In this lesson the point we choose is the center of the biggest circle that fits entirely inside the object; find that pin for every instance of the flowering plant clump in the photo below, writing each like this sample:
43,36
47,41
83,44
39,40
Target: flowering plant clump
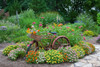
69,54
7,50
31,57
91,45
41,58
33,29
53,56
14,54
22,45
79,50
88,33
86,47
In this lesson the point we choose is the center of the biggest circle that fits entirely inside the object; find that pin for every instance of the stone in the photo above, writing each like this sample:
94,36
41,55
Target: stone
97,55
79,64
72,65
82,60
88,65
93,61
88,58
94,56
96,64
1,50
99,58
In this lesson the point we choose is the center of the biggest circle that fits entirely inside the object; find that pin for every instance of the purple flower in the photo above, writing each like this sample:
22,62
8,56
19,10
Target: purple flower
98,37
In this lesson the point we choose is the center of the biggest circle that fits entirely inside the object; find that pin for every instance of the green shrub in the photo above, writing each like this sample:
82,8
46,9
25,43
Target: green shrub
7,28
21,39
27,22
87,20
79,50
41,7
16,53
53,56
50,17
88,33
41,50
31,57
25,19
69,54
86,47
98,18
7,50
25,14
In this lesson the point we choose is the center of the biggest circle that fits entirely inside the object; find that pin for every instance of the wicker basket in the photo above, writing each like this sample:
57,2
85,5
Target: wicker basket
36,37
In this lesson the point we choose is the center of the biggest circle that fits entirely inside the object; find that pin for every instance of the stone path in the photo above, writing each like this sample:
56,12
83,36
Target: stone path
92,60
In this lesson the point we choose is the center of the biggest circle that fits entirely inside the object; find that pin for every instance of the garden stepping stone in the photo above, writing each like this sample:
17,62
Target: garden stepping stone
88,65
88,58
99,58
79,64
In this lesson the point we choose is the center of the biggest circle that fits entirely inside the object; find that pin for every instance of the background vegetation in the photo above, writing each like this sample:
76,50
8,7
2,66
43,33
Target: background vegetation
69,9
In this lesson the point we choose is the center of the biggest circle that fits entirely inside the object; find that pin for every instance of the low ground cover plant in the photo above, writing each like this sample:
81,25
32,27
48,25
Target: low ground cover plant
89,33
79,50
89,48
31,57
16,53
69,54
53,57
7,50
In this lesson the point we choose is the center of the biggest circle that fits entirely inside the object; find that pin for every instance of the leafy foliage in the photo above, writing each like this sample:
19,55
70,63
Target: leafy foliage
50,17
87,20
88,33
98,18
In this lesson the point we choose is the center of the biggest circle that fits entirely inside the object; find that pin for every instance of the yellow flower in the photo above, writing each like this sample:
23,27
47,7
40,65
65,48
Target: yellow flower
55,24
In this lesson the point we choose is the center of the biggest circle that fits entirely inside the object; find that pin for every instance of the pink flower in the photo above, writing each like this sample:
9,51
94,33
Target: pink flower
28,45
40,24
53,27
54,34
79,27
67,27
81,34
47,27
84,38
86,30
49,33
33,23
42,17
